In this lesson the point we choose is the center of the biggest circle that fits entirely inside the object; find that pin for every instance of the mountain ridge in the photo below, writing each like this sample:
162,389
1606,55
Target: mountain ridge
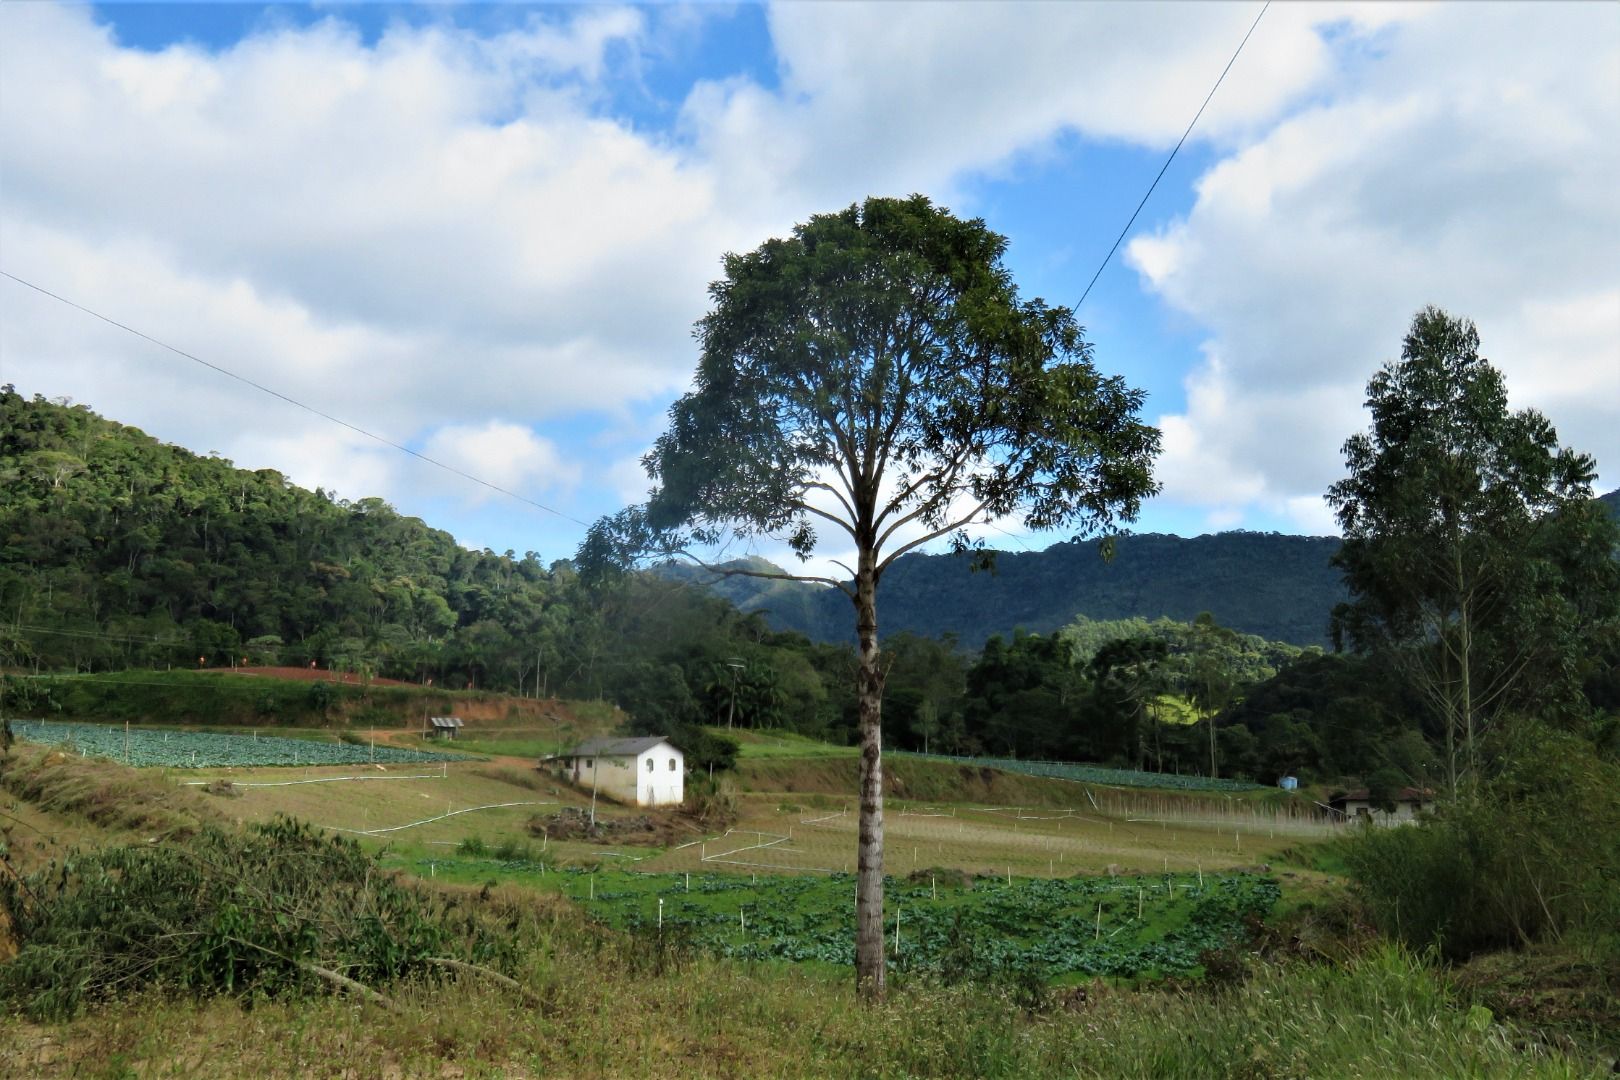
1277,586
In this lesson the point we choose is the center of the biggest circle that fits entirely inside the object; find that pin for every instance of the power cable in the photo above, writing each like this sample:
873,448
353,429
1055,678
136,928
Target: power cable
1120,239
295,402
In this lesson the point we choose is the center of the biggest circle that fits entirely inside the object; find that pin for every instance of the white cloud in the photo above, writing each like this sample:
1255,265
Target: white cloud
1483,184
896,97
428,231
507,455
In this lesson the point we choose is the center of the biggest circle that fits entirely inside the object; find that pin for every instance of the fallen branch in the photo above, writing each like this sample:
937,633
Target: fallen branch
494,976
342,982
346,983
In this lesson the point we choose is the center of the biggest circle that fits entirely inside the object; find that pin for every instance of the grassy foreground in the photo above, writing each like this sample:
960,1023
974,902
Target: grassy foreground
606,1009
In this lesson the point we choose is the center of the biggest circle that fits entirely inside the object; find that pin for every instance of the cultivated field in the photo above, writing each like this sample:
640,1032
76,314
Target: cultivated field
428,804
785,837
212,749
419,810
1047,928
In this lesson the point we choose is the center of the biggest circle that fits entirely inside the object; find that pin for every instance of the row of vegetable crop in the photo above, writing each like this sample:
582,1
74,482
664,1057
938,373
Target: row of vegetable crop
1046,928
207,750
1092,774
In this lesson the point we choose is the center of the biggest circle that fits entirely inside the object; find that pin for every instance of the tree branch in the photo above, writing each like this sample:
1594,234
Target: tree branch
780,575
935,535
944,474
507,981
829,489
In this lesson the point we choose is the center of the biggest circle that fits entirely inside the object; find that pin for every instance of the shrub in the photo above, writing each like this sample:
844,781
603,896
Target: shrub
275,910
1533,854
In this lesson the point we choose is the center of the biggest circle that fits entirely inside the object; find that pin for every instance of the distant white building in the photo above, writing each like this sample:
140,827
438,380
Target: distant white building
646,771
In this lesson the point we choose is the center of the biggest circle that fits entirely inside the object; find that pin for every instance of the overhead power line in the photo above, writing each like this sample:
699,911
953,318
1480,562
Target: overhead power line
295,402
1207,98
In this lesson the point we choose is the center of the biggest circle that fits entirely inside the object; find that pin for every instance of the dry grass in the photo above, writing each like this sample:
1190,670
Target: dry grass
614,1009
107,796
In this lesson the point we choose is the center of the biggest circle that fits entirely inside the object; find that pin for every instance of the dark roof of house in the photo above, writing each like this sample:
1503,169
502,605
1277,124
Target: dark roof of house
614,747
1407,794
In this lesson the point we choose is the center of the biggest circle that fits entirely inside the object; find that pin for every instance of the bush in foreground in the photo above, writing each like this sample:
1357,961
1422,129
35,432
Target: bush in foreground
269,911
1533,855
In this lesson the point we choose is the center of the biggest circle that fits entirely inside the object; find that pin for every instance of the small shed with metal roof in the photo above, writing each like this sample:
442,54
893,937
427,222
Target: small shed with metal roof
645,771
445,727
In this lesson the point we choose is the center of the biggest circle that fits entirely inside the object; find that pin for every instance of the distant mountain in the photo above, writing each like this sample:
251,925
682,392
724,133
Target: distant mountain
1279,587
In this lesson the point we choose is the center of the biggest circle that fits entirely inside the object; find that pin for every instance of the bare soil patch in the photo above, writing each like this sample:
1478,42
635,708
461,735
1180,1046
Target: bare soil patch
298,674
659,829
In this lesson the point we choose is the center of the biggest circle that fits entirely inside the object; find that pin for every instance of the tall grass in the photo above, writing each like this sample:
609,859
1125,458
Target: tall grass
111,796
625,1007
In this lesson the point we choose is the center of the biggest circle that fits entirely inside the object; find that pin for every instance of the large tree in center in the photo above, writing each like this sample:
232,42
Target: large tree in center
868,385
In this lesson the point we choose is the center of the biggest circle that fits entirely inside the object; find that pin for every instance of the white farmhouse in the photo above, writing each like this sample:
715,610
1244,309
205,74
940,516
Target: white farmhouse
647,771
1359,806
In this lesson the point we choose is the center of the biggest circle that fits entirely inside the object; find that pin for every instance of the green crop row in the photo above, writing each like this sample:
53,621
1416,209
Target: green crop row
1045,928
204,750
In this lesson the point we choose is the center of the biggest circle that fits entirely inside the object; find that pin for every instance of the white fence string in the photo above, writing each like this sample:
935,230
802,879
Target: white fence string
814,820
440,817
773,866
748,847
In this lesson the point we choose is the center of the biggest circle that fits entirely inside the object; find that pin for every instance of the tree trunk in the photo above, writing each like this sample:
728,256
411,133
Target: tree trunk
869,853
1465,665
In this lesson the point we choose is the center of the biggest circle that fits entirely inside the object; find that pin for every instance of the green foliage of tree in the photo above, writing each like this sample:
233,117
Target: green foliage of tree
1336,716
1024,698
878,375
1127,675
923,692
1475,555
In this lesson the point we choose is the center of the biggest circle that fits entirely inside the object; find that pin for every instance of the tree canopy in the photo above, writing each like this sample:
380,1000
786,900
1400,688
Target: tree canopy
876,375
1472,547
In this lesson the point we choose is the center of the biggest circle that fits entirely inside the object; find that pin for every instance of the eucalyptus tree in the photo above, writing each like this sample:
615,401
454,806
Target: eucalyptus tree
868,385
1474,553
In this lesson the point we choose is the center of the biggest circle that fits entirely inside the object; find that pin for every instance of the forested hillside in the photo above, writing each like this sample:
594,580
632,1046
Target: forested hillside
118,551
1278,587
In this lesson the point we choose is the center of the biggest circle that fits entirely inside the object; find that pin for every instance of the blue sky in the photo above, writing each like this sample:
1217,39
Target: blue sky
485,230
